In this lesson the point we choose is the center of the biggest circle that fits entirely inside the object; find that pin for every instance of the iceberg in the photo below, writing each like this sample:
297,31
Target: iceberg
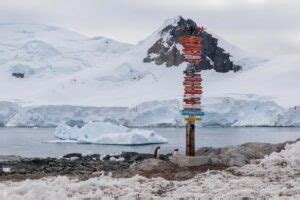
107,133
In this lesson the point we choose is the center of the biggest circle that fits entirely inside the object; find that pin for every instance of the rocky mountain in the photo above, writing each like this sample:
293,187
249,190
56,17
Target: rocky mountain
167,49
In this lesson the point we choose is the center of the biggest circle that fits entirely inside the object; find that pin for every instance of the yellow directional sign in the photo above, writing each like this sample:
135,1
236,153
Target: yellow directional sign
192,119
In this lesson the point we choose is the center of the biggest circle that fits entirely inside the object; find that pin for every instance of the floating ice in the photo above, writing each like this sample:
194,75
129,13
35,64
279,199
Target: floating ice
107,133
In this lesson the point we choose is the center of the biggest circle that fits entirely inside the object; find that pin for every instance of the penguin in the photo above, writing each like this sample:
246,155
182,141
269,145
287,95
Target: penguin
157,152
175,152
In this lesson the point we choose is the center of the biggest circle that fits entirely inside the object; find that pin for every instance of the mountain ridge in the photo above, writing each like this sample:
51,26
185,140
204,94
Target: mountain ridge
167,49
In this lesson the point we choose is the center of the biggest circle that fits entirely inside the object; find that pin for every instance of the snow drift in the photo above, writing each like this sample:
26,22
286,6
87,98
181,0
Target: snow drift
107,133
274,177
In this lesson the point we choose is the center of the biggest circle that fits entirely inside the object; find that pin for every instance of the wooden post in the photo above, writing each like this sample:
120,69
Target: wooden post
190,139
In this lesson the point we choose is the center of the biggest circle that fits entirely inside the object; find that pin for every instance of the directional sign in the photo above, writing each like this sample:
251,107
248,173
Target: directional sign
192,119
192,60
191,51
193,87
190,75
192,113
193,79
192,71
187,106
194,57
197,68
190,40
191,46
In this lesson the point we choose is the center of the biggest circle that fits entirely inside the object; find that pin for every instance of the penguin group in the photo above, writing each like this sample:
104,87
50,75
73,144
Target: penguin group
157,152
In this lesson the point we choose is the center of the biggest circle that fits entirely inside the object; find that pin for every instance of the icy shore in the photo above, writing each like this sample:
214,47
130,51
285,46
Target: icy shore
220,111
275,177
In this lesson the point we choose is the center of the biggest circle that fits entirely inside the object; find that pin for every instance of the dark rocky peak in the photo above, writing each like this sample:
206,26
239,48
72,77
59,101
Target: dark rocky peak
167,49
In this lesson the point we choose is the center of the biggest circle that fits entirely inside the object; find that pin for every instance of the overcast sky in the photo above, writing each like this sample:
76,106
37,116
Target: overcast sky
257,25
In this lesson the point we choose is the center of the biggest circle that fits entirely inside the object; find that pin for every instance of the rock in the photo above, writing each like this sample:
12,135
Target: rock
216,161
78,123
107,157
239,155
134,156
207,151
237,161
18,75
73,158
93,157
39,161
184,175
152,164
164,50
70,155
190,161
10,158
98,173
135,163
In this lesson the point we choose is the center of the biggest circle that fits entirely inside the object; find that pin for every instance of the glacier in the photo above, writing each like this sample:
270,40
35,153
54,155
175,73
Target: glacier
69,76
220,111
106,133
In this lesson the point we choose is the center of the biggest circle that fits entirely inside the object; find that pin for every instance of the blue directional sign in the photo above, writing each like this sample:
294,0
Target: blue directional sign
192,113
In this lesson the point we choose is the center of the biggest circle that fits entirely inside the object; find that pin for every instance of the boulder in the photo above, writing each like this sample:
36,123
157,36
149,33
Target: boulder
152,165
238,155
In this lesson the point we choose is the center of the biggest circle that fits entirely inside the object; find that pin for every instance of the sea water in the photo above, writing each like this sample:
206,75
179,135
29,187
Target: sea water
31,142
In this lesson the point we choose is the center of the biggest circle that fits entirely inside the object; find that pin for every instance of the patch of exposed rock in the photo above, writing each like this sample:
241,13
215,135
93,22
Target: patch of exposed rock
166,49
239,155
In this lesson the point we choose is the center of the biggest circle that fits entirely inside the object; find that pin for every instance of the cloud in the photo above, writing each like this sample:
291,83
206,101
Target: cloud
258,25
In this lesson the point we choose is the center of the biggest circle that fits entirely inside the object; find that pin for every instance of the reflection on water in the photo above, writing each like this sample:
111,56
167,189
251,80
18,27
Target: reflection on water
30,141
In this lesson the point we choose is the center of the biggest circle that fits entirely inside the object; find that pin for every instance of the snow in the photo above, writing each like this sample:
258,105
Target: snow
6,169
274,177
234,110
107,133
246,59
65,70
248,111
276,79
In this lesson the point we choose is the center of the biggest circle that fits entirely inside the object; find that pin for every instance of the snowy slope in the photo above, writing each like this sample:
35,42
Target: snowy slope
276,80
63,68
68,66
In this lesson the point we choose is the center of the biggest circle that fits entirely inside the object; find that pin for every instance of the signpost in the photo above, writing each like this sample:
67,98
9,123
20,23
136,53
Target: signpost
192,86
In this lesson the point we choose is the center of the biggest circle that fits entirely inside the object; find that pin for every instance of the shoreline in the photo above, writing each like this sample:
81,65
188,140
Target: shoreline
129,164
125,165
267,176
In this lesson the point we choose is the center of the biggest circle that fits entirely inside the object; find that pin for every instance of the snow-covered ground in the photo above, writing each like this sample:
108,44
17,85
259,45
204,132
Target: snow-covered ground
64,69
274,177
106,133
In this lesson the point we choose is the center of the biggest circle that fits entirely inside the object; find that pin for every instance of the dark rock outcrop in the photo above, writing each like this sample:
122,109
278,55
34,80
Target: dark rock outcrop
18,75
78,123
165,49
239,155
